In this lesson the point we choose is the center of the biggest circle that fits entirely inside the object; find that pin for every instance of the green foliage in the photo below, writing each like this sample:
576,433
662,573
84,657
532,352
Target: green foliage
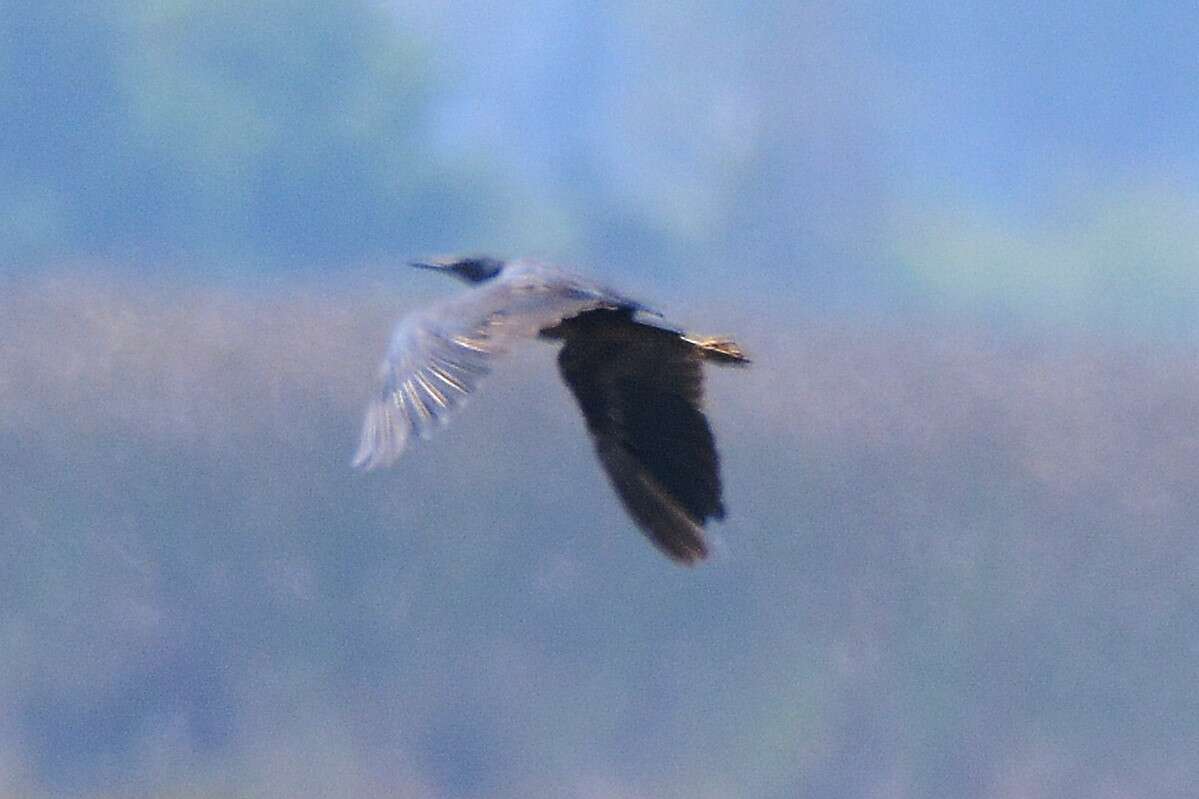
1124,258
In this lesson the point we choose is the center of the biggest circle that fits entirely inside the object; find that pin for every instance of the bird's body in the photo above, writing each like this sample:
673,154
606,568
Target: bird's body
638,384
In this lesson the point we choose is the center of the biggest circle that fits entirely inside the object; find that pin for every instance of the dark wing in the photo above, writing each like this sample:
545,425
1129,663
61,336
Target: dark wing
640,389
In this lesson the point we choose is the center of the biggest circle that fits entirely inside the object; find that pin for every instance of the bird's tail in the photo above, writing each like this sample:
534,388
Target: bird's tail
719,349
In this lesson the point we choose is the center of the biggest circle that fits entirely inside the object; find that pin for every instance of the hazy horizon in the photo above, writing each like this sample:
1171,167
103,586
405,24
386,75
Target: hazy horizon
938,541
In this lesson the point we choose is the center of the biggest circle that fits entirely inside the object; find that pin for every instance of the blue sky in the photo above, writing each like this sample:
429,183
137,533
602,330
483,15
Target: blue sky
832,145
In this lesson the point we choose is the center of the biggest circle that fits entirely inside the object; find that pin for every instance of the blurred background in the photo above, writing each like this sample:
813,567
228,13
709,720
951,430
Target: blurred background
961,243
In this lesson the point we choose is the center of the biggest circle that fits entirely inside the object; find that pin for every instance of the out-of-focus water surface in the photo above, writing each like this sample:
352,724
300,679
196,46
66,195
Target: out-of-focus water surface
961,474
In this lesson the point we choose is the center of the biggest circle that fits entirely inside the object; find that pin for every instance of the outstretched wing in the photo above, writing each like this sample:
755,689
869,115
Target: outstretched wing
640,389
438,356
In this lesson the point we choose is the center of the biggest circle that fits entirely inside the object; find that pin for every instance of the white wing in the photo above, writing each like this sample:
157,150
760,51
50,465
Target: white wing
438,356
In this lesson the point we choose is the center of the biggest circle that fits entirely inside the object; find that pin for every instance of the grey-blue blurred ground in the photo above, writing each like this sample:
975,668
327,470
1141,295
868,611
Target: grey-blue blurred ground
955,565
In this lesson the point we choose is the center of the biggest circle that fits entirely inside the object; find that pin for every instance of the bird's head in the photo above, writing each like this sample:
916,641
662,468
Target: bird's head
472,269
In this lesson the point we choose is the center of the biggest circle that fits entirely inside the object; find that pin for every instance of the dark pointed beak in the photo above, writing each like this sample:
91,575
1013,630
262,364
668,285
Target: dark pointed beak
428,265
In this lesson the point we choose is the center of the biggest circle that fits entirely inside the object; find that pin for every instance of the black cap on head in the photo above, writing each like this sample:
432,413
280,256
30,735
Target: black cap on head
472,269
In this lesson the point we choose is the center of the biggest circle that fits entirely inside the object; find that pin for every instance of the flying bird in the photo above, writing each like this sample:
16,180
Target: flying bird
639,385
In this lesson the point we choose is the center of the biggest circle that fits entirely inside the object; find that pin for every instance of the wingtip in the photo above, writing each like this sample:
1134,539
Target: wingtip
382,440
689,557
364,460
684,544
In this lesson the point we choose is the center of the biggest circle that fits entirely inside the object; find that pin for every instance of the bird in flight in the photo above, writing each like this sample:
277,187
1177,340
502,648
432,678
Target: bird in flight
638,384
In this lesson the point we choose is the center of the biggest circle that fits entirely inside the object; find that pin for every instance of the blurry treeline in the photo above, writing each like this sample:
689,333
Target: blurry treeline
952,566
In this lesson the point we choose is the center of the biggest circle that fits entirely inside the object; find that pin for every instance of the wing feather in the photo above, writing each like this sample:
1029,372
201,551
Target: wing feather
438,356
640,389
